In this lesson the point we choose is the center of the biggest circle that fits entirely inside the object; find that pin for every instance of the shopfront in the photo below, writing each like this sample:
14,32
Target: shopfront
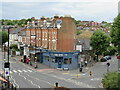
61,59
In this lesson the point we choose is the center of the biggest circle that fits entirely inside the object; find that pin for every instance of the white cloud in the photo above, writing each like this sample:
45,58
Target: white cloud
97,11
60,0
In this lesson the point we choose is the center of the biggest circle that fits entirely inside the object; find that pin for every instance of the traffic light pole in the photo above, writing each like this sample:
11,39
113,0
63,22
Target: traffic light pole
8,54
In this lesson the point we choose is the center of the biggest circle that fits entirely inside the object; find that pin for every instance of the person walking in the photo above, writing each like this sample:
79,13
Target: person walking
27,60
86,63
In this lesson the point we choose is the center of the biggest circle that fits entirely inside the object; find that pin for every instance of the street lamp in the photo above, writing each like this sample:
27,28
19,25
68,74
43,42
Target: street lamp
35,59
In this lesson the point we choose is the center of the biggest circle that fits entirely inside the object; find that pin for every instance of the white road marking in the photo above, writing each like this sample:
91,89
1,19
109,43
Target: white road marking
14,82
96,79
30,81
24,70
40,80
14,71
74,82
19,71
10,72
29,70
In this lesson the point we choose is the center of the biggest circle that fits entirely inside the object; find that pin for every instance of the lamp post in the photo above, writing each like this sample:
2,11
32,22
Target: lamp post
35,59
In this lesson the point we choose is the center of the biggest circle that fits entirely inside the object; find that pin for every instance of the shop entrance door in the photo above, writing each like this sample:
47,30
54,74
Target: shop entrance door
60,60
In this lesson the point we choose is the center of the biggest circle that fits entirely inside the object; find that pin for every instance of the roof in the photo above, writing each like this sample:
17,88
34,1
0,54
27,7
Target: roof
84,42
16,31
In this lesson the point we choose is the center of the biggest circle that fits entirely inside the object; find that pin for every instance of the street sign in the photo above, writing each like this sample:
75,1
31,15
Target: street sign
6,72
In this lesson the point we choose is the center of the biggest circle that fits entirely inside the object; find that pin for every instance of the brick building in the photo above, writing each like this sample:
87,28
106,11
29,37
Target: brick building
57,33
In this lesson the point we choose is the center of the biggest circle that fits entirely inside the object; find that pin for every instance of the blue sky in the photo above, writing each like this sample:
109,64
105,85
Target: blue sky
96,11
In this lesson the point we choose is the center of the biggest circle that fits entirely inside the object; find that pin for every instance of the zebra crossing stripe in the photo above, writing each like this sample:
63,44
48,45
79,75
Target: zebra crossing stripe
19,71
24,70
29,70
10,71
14,71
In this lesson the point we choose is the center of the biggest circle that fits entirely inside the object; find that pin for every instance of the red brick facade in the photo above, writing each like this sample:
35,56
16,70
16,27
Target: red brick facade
58,38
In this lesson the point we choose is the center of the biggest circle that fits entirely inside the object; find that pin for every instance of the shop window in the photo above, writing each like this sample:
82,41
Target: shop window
67,60
46,58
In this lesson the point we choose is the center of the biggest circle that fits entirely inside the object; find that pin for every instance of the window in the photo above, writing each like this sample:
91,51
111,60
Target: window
46,58
67,60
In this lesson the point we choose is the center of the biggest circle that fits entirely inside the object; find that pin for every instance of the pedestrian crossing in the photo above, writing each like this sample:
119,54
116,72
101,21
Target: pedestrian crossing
20,71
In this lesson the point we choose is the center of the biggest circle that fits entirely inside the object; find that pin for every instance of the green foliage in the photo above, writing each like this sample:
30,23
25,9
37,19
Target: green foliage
111,81
14,47
15,22
99,42
4,36
110,51
78,32
115,33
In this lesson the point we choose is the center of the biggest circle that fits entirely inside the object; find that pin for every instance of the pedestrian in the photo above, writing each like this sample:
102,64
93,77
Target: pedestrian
27,60
80,69
35,65
86,63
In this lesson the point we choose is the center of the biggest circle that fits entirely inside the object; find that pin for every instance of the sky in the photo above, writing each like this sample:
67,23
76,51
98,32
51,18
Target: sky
86,11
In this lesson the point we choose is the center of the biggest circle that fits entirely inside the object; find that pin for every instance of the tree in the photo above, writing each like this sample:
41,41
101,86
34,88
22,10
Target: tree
99,42
14,47
115,33
4,36
111,81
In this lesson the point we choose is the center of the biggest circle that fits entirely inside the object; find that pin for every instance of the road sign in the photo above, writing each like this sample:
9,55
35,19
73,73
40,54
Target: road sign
6,72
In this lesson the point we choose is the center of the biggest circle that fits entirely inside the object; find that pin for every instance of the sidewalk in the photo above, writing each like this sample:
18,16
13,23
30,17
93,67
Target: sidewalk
39,65
42,66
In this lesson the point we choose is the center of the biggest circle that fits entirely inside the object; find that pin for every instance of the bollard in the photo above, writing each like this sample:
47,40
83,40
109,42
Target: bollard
90,73
56,84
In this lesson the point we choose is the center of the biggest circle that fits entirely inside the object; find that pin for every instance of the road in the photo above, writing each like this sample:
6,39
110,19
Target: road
25,76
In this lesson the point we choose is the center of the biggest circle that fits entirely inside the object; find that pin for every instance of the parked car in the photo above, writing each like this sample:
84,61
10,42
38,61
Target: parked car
108,57
103,59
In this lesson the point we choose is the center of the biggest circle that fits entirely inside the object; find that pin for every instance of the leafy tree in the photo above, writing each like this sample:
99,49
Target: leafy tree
22,22
14,47
111,81
99,42
110,51
4,36
115,33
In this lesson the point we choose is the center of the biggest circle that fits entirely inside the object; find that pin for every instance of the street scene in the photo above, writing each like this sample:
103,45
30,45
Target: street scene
59,52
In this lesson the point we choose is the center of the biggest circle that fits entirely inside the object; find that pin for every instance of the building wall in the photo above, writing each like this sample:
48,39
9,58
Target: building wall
66,35
51,59
59,38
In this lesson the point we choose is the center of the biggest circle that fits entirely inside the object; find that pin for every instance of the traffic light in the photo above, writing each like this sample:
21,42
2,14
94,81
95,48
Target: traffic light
6,65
